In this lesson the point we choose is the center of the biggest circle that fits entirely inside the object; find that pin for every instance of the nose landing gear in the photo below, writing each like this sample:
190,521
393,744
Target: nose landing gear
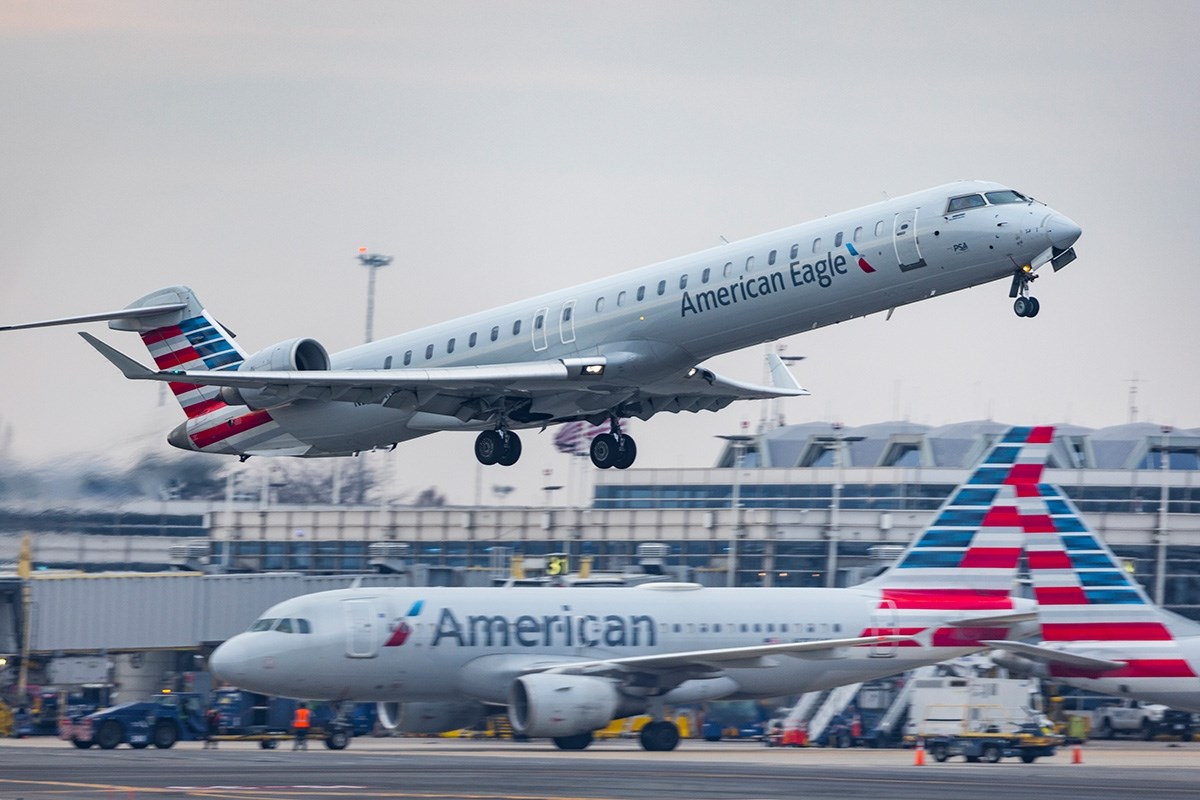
1024,305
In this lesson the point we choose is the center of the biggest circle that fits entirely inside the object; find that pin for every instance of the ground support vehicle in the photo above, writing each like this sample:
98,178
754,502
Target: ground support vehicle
1131,717
161,720
1029,744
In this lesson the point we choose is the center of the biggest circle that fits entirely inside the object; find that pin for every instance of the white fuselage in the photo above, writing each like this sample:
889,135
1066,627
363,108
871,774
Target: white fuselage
472,643
663,319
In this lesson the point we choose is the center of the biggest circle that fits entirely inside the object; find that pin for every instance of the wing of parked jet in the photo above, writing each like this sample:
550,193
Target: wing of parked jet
1048,655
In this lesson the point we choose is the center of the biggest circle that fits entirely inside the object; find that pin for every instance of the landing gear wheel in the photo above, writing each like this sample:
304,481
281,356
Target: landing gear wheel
627,452
488,447
165,736
510,450
1033,312
659,736
109,735
605,450
1021,306
337,740
579,741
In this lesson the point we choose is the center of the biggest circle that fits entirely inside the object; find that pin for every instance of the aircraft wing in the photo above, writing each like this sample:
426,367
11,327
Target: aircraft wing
553,390
1055,656
755,656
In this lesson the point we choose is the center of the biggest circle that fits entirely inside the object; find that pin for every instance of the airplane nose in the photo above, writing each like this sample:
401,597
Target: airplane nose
1062,231
228,662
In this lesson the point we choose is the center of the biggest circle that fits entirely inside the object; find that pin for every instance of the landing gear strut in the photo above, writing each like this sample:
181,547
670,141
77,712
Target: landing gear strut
614,449
498,447
1024,305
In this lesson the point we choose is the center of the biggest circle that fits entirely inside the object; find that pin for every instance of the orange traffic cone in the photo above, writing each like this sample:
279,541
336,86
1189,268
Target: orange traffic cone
1077,755
919,754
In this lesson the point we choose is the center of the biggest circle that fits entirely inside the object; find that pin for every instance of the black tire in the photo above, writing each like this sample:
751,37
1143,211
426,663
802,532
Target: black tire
268,744
510,450
992,753
81,744
972,759
1106,729
1034,307
488,446
1028,758
337,740
579,741
627,453
165,735
711,738
139,745
939,752
1147,731
604,450
109,734
659,737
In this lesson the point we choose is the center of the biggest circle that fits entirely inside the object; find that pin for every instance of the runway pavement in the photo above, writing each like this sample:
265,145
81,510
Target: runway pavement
433,769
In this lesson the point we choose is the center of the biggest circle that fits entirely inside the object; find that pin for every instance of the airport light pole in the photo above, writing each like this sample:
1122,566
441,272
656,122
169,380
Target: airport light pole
1160,569
739,442
834,532
373,262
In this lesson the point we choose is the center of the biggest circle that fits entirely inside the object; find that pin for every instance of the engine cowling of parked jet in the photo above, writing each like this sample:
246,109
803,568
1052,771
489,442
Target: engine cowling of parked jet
429,717
551,705
294,355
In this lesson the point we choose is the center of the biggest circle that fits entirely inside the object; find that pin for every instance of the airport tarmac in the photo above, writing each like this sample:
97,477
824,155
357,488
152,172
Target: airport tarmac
437,769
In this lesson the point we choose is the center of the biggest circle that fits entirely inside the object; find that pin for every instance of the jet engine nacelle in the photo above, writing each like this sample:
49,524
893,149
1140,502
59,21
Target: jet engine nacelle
551,705
428,717
294,355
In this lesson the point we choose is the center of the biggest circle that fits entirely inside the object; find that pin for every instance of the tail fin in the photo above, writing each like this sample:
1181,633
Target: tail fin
188,338
968,555
1085,594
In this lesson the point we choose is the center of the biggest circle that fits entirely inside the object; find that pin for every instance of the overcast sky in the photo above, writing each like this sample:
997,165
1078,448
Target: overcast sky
501,149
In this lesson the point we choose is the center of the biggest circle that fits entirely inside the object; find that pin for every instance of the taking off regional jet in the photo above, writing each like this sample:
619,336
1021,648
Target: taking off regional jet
630,345
567,661
1099,629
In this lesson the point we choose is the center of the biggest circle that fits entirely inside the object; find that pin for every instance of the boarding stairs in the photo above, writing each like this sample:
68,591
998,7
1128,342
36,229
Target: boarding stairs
835,703
891,717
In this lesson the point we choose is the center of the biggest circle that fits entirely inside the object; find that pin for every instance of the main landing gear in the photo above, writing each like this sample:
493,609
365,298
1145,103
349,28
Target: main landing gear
498,447
660,735
1024,305
614,449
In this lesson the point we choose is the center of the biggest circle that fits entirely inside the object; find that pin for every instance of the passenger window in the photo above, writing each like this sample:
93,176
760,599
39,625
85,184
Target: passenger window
728,270
641,293
429,352
662,288
879,228
387,363
450,346
473,338
750,264
817,245
704,275
795,251
858,233
837,240
407,357
967,201
599,304
683,281
771,259
567,313
620,299
517,328
495,333
539,321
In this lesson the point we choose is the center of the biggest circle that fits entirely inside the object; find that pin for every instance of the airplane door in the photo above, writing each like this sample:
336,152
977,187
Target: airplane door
361,641
539,329
566,322
904,238
886,622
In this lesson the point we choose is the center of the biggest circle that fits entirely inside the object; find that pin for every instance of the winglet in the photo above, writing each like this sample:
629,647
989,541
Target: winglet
781,376
129,368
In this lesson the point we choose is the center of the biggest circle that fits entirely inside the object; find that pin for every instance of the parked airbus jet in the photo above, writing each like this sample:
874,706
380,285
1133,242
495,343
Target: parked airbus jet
568,661
625,346
1099,629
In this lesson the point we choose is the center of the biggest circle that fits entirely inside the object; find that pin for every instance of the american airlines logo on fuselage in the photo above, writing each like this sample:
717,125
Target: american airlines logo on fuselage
567,629
821,272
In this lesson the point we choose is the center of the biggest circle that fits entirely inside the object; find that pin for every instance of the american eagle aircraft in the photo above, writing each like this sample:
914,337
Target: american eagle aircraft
1099,629
567,661
624,346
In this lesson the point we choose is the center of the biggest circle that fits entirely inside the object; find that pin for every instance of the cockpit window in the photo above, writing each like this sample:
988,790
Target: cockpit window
1006,196
302,626
284,626
263,624
964,202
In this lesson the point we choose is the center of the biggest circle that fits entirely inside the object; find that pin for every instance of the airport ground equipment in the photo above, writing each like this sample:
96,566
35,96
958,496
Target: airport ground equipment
161,720
1131,717
1029,743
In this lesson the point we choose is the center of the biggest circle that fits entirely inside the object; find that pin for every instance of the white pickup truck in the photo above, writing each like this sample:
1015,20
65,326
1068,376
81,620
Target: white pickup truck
1130,717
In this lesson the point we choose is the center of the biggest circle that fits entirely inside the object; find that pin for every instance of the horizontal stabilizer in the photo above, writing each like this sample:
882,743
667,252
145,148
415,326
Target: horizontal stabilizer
1051,656
129,368
124,313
